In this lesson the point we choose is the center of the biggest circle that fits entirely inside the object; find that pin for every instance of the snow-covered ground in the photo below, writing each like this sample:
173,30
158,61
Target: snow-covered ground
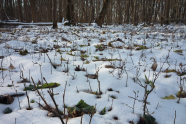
122,79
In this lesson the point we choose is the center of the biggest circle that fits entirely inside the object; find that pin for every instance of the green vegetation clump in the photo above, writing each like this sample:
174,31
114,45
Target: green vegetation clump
103,112
80,108
9,85
23,53
7,110
82,45
169,97
158,45
87,62
34,42
32,101
52,84
149,119
32,87
181,93
167,75
113,97
170,70
110,44
114,59
3,69
59,51
84,56
98,46
96,57
147,81
63,59
140,47
181,73
178,51
95,93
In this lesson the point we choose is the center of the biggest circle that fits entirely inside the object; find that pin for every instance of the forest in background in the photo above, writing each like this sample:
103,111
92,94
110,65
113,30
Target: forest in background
99,11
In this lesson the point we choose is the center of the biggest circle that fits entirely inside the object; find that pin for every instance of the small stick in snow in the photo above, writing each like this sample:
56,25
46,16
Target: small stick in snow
175,117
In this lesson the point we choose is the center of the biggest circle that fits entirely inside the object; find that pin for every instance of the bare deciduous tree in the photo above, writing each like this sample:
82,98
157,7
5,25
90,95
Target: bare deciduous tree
103,12
54,14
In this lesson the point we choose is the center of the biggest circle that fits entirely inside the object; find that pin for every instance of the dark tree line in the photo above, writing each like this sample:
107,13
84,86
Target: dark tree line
99,11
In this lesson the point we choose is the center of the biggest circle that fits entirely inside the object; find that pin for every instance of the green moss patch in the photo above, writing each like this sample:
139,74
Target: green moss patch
49,85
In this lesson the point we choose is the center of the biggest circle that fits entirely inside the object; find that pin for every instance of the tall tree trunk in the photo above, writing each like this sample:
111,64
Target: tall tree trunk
20,10
161,14
92,12
1,10
127,11
25,11
119,11
103,12
184,13
167,11
11,9
32,2
54,14
156,11
60,11
70,12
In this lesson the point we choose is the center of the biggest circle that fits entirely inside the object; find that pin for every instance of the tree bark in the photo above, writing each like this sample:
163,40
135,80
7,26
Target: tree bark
127,11
103,12
92,11
11,9
167,11
54,14
1,10
60,11
20,10
32,2
70,12
25,11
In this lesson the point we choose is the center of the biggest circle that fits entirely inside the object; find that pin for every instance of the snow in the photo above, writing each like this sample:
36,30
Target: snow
161,109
